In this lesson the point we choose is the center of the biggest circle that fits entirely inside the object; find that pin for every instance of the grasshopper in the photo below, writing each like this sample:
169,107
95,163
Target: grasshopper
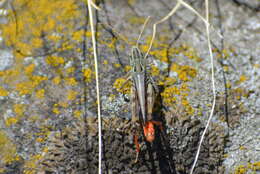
143,94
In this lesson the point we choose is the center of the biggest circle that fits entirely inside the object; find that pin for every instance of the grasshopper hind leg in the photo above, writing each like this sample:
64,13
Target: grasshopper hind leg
134,105
150,101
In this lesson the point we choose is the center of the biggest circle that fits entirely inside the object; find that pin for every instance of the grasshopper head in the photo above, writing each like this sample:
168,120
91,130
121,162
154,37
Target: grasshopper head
137,60
149,131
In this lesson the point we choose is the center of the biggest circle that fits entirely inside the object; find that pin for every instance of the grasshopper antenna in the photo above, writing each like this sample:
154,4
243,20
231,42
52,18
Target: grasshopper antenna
140,35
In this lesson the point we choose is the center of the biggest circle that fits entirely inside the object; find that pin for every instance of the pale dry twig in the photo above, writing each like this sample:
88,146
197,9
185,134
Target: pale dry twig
206,21
90,3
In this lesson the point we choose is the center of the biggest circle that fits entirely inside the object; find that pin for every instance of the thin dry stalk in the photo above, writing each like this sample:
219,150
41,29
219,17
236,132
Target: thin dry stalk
206,21
174,9
213,88
140,35
90,3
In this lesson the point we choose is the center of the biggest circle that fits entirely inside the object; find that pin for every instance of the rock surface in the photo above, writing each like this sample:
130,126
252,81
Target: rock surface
76,149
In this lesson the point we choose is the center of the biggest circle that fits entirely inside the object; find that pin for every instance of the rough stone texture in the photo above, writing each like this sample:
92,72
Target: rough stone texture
6,59
76,150
241,32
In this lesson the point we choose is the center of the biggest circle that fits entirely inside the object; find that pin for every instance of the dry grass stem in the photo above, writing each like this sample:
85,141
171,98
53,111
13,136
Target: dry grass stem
206,21
90,3
213,88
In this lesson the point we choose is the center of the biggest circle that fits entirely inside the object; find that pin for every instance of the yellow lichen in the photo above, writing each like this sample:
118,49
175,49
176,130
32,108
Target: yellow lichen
40,93
19,109
71,81
112,44
88,74
256,65
10,75
122,86
135,20
105,62
3,92
55,109
131,2
2,170
169,81
72,95
241,169
155,71
78,35
249,167
40,139
185,72
36,42
117,65
63,104
31,165
225,68
27,87
111,97
29,69
24,87
229,84
225,53
56,80
70,70
242,79
169,95
161,54
11,121
127,68
8,152
55,60
77,114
